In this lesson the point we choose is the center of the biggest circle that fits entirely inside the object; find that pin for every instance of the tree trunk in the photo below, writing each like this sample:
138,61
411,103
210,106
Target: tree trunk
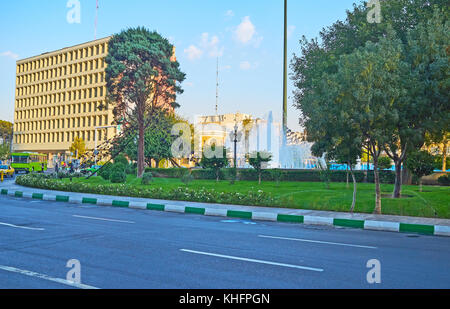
217,175
354,190
141,157
347,176
398,180
444,157
377,186
259,176
420,185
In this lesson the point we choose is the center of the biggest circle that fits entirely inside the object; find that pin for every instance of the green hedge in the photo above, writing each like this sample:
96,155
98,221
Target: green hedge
267,175
258,198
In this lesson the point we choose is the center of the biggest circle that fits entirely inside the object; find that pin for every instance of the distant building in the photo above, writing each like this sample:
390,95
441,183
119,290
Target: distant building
61,95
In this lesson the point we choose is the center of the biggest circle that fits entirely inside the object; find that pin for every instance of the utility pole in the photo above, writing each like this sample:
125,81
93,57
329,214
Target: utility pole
285,68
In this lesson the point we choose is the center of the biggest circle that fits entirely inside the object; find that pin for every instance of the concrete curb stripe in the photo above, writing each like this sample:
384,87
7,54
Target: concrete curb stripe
137,205
313,220
174,208
359,224
49,197
104,202
264,216
442,230
290,218
75,200
216,212
122,204
195,210
417,228
27,195
239,214
37,196
62,198
156,207
382,226
87,200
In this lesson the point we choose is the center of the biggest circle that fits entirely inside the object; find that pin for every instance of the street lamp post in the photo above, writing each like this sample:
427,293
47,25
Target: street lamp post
235,137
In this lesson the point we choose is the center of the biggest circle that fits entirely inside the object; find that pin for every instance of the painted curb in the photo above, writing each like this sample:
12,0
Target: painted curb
436,230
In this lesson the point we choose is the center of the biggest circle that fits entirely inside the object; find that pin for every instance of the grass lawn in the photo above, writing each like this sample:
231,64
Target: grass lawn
315,196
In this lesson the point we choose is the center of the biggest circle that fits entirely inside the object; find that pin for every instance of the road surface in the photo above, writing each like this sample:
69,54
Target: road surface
126,248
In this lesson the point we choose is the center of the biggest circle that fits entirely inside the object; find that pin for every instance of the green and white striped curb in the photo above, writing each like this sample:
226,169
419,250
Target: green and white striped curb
262,216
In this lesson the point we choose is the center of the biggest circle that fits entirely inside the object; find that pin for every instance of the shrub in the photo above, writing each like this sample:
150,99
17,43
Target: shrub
230,174
187,178
105,171
121,159
444,180
147,178
118,176
384,163
258,198
276,175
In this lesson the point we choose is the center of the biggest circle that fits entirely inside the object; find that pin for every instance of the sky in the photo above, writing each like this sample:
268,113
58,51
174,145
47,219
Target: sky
246,35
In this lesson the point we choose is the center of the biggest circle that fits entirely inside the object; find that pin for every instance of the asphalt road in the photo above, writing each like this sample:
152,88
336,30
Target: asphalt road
126,248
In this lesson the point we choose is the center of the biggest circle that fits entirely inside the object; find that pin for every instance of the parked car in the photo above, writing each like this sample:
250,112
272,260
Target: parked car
7,170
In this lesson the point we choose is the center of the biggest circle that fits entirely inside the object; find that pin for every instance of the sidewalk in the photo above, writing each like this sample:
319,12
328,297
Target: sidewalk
363,221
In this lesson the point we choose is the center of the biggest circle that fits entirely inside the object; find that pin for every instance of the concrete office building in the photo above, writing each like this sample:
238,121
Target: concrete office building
61,95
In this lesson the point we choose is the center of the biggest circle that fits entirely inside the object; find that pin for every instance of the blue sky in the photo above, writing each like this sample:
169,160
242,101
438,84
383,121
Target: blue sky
247,35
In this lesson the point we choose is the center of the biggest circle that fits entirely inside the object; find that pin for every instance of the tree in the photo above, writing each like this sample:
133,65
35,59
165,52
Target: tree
384,163
216,162
158,139
78,147
4,152
258,160
420,164
5,130
422,30
142,74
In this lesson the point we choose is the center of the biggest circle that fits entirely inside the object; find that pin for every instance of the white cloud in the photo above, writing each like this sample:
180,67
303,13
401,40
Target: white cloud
290,31
10,54
211,45
229,14
208,45
246,33
193,52
189,84
245,65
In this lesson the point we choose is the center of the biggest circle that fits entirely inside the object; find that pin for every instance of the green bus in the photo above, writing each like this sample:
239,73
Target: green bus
29,162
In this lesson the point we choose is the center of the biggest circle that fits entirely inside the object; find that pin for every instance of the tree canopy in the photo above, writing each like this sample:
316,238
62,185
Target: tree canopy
142,75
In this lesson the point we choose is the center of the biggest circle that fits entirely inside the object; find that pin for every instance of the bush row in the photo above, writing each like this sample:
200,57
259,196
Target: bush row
258,198
273,175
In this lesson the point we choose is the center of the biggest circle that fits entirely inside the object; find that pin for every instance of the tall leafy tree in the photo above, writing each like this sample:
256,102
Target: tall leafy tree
258,160
142,75
78,147
215,162
5,130
158,139
421,163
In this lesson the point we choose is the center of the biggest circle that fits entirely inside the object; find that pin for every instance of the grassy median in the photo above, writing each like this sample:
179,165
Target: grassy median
433,202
